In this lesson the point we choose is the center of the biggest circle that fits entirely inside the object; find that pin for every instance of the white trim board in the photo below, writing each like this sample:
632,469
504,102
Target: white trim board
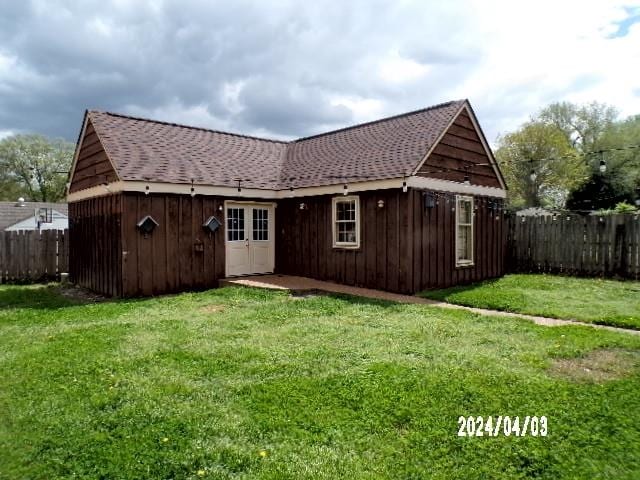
455,187
263,194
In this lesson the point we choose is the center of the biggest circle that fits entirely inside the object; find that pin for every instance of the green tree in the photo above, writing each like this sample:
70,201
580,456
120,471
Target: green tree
35,167
544,149
621,180
582,125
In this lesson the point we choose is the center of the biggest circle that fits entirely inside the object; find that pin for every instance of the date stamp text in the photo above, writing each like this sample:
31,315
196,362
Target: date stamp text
495,426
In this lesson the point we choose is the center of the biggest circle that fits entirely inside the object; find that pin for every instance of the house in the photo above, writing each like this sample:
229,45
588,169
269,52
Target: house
23,215
405,203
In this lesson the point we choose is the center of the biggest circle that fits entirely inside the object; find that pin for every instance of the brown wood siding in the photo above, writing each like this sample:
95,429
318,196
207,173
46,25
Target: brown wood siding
405,247
179,255
95,251
460,147
93,167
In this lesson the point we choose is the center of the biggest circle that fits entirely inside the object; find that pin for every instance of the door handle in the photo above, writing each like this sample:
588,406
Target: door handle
246,243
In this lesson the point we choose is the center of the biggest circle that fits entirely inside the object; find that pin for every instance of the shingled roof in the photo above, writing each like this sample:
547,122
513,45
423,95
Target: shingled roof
153,151
14,212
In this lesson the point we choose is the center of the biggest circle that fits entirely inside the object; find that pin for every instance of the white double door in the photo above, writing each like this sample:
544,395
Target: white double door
249,238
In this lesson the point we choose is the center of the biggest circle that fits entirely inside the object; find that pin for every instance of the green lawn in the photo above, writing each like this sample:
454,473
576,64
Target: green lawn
244,383
607,302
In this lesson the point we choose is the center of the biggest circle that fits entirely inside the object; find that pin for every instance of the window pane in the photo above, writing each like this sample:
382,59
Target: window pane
235,224
346,210
260,224
464,211
341,211
464,243
347,232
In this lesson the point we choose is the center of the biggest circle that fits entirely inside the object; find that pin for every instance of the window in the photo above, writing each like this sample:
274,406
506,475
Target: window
464,231
260,224
346,222
235,224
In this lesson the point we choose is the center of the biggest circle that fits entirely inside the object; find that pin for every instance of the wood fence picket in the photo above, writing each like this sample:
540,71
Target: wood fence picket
32,256
605,246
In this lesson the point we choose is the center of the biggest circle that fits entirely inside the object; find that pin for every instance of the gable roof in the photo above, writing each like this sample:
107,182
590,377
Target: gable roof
59,221
154,151
14,212
382,149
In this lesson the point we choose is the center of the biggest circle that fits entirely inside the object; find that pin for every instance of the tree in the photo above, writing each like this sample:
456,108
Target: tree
582,125
621,180
35,167
544,149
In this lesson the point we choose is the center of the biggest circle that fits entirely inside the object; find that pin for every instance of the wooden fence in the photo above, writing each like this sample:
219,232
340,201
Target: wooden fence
32,256
578,245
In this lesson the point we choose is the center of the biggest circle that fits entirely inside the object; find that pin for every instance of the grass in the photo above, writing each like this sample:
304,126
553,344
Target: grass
606,302
243,383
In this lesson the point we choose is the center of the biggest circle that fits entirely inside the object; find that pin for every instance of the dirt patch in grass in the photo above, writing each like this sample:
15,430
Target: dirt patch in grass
212,309
597,366
80,295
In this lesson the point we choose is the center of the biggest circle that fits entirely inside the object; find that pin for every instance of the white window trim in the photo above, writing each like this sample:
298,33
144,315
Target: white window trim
464,262
334,202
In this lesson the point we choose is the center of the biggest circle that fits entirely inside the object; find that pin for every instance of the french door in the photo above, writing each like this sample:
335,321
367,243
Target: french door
249,238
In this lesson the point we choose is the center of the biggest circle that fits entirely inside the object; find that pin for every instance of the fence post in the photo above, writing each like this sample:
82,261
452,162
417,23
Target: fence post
620,248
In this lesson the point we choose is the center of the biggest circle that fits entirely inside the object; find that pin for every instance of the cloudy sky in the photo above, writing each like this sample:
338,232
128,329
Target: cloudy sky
292,68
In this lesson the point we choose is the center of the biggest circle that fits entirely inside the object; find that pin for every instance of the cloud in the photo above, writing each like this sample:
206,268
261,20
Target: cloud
287,69
5,134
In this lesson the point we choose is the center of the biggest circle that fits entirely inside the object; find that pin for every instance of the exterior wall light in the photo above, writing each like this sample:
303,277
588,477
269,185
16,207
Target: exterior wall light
380,203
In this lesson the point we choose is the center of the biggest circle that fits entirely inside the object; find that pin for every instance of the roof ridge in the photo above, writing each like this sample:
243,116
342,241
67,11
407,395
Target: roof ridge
191,127
253,137
379,120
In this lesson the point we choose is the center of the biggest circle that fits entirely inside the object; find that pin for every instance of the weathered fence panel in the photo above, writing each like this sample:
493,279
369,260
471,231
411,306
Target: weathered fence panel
604,246
33,256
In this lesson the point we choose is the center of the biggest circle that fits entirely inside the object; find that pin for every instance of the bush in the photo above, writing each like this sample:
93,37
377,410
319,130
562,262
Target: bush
624,207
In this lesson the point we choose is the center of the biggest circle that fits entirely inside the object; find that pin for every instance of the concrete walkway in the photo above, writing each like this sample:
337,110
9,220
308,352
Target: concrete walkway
302,285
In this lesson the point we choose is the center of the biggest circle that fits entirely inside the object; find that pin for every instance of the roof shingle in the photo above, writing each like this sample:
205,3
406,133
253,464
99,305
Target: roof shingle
148,150
13,212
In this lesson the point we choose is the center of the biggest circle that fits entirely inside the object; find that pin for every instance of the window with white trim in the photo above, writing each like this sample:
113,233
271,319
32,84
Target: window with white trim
464,231
346,222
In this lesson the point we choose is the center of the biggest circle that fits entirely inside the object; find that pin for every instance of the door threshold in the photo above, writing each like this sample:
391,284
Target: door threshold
249,275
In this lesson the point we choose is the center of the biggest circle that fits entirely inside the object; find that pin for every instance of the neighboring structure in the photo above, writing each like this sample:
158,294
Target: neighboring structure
536,212
23,215
405,203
